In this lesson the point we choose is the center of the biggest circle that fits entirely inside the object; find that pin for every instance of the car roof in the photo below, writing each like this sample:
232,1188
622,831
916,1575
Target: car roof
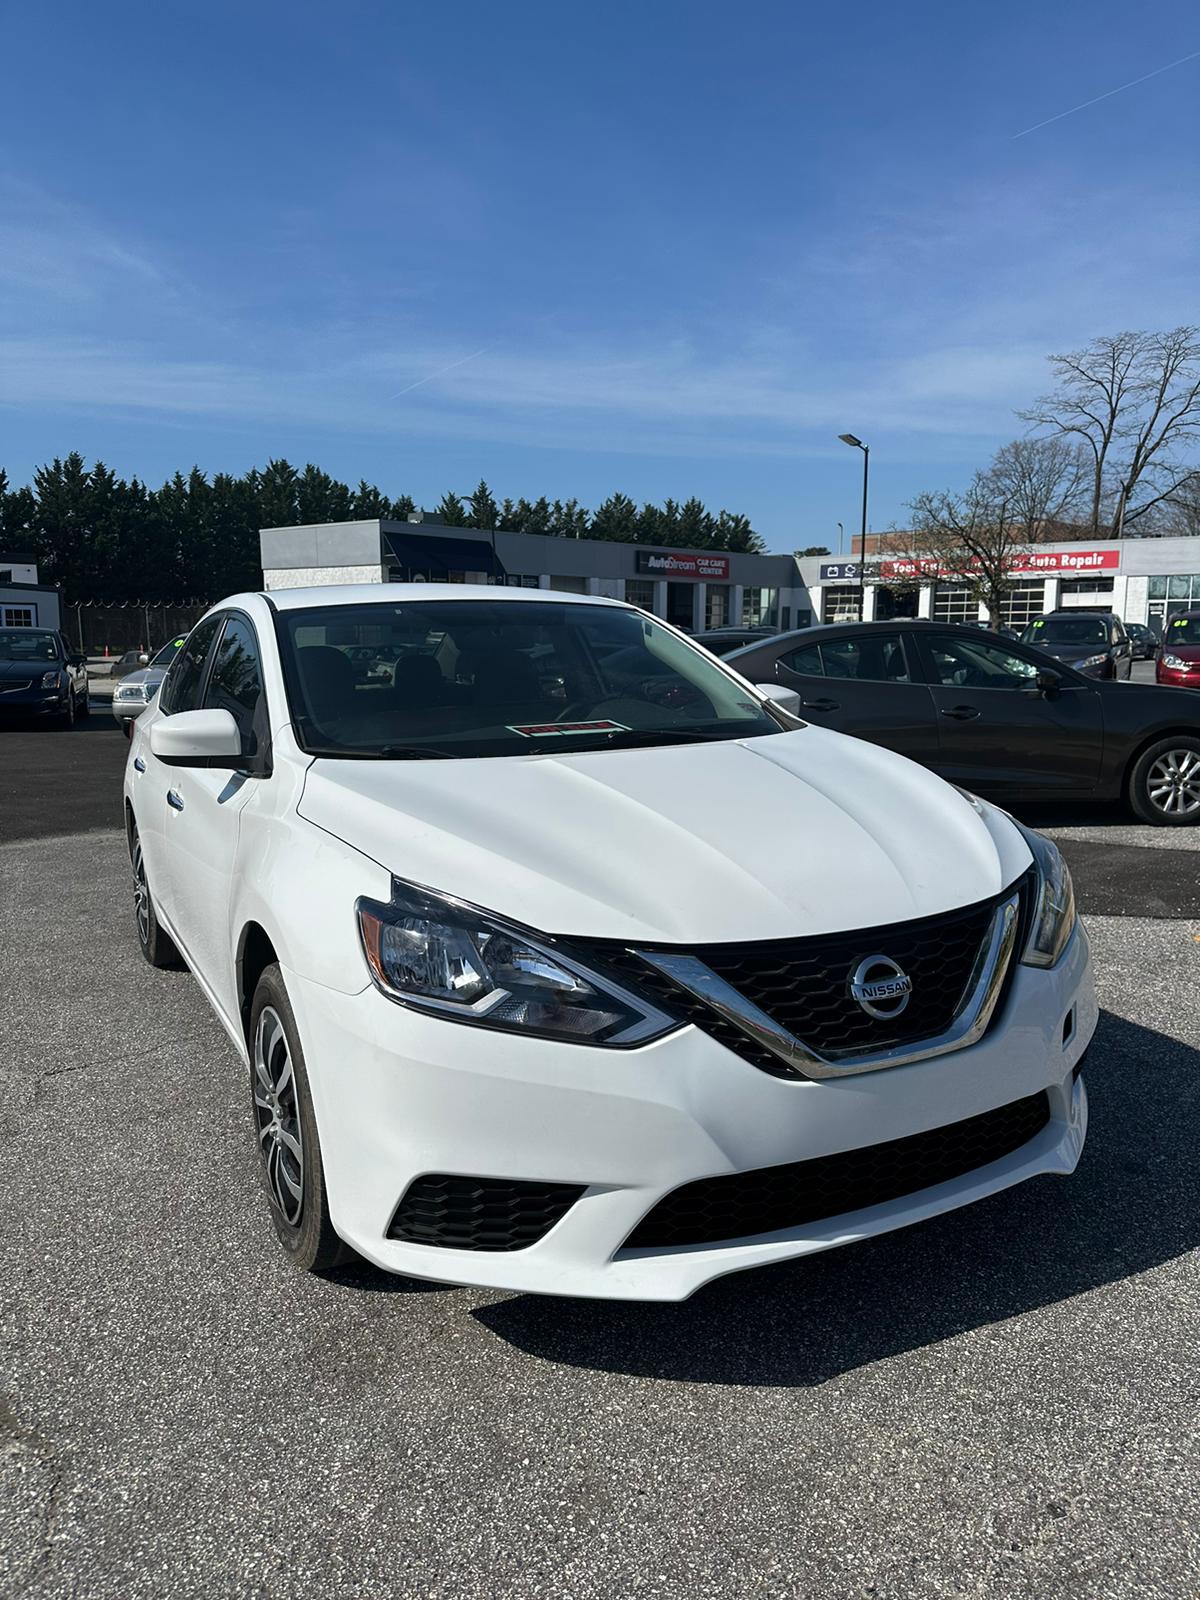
357,594
842,630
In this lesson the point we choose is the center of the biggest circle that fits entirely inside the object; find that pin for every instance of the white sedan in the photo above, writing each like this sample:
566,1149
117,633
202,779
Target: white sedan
565,960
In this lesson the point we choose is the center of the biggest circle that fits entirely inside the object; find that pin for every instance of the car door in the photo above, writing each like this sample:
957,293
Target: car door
997,732
152,781
205,804
867,684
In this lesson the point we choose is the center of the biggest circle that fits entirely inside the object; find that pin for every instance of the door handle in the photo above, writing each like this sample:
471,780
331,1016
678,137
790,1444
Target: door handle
962,713
138,764
175,799
819,705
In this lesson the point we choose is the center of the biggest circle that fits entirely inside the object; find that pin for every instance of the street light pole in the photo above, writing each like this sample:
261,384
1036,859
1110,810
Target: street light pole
848,438
841,536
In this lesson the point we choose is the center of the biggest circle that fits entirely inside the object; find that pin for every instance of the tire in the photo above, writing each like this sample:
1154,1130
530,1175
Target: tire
285,1128
66,717
1164,786
85,706
156,944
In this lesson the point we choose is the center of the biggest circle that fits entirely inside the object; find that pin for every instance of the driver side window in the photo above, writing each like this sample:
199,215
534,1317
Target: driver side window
181,687
963,663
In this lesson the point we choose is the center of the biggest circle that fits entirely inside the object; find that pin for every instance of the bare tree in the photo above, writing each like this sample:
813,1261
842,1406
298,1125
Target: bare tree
1043,480
972,539
1130,399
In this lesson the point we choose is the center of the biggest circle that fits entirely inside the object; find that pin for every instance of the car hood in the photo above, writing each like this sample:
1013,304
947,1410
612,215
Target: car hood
765,838
1185,652
1072,652
23,670
151,675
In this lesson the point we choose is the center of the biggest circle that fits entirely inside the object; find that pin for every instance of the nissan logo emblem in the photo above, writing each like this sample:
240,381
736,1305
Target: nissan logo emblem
881,988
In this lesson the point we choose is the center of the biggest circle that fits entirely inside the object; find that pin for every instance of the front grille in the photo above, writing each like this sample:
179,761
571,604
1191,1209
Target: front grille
464,1213
803,985
12,688
744,1204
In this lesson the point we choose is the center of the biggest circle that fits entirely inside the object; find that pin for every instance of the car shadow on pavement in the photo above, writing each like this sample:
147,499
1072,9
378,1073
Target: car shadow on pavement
1132,1204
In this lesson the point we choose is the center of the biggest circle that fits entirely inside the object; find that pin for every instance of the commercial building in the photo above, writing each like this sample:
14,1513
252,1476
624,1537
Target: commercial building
24,602
1140,580
694,589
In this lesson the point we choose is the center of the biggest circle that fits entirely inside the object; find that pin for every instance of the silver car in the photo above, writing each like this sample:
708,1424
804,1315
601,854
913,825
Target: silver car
135,691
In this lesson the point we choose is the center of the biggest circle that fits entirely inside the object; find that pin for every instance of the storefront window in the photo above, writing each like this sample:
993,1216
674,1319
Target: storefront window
1158,588
716,605
1180,588
758,607
640,592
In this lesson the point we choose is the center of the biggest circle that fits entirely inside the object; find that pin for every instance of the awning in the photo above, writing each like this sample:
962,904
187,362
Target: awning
436,557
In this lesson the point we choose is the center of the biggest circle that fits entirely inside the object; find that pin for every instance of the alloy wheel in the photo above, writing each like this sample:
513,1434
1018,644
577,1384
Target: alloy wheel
1173,783
277,1116
141,894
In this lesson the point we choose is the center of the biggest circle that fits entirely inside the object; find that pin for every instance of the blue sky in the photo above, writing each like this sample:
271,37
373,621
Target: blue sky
668,247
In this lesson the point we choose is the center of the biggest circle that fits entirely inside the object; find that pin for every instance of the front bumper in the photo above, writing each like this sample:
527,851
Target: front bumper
33,702
398,1095
127,710
1181,678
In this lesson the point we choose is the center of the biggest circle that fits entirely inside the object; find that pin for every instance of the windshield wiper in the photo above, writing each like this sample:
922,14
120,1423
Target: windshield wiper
383,752
631,737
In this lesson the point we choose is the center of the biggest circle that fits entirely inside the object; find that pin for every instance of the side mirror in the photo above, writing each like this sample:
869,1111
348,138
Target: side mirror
1047,681
143,659
786,699
198,739
77,661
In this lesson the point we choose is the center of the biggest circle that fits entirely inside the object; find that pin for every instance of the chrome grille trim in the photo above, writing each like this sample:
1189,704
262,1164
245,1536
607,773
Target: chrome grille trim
968,1027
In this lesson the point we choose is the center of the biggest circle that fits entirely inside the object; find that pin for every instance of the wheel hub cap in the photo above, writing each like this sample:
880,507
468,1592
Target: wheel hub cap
277,1116
1173,783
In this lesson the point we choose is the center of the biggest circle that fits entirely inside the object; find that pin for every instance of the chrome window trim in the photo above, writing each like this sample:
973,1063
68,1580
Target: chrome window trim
968,1027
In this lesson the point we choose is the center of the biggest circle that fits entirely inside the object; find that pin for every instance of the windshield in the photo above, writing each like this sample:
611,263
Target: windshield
28,644
499,678
1182,630
165,656
1067,630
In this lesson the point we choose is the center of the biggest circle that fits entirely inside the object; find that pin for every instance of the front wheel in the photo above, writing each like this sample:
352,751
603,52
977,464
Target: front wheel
1164,786
156,945
289,1150
66,717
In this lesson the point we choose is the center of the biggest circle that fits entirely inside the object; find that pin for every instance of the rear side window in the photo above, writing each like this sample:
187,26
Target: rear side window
806,661
182,685
235,683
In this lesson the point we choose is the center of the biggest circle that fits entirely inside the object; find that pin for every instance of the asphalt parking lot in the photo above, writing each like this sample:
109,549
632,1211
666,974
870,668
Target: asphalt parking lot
1000,1402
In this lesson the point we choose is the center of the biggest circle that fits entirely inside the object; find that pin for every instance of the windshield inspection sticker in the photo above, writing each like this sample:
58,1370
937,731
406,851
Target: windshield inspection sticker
554,730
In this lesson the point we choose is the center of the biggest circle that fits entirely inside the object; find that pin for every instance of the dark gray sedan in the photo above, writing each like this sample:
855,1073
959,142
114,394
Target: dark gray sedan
993,715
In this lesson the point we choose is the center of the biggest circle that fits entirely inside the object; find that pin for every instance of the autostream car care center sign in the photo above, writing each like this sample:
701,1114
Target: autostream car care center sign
1031,562
683,564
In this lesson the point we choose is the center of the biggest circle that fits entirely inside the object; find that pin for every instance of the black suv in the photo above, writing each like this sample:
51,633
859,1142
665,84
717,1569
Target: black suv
41,677
1093,642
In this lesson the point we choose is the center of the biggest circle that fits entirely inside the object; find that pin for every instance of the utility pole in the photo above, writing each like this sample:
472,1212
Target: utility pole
848,438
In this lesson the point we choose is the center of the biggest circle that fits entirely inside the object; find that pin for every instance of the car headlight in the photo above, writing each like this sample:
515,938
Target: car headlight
134,691
1177,662
50,679
453,961
1054,903
1091,661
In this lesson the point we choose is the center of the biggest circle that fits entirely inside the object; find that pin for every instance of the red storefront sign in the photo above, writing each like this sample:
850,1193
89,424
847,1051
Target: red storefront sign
1033,562
683,564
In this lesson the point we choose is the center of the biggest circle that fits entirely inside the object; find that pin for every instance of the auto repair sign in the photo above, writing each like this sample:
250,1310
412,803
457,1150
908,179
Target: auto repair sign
1033,561
682,564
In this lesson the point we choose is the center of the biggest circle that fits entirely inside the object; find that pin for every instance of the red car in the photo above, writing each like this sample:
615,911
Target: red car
1179,657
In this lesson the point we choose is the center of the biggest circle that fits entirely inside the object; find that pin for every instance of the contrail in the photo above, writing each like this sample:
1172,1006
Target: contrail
1132,84
441,372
